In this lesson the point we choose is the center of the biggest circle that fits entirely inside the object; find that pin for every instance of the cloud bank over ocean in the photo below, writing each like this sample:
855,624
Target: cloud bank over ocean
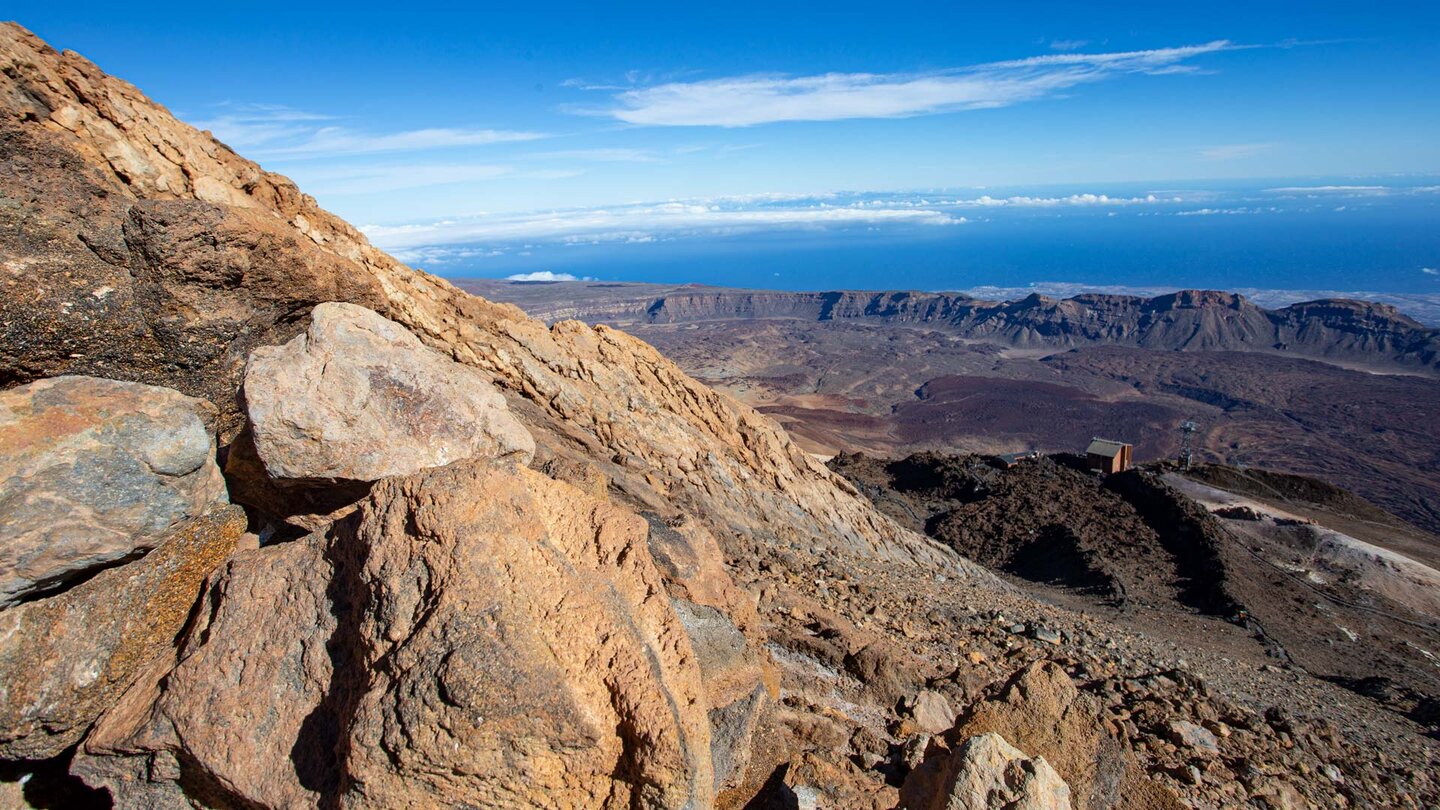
649,221
672,219
1282,242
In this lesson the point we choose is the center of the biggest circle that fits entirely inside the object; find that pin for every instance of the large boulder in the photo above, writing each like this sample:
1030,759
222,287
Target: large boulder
1043,712
474,635
988,773
93,472
358,397
65,659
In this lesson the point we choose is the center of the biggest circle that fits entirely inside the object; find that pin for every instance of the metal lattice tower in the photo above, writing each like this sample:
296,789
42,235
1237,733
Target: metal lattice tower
1188,429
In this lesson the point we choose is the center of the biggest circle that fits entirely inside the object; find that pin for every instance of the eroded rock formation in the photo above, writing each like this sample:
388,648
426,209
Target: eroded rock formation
66,659
1188,320
93,471
476,634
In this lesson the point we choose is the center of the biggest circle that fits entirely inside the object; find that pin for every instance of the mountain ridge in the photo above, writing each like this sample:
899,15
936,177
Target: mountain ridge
1341,330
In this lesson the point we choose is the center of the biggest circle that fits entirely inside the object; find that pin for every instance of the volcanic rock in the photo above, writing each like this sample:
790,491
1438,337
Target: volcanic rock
156,250
246,696
479,634
129,211
988,773
65,659
739,681
1196,738
1043,711
94,471
357,397
475,634
933,712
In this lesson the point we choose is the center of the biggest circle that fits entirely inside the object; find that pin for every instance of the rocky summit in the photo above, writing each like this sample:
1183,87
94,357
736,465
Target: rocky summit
287,523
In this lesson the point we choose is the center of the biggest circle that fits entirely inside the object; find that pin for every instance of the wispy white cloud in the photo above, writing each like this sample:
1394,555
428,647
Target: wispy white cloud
546,275
365,179
248,125
635,155
986,201
642,222
275,132
1352,190
1236,211
1068,44
603,155
331,141
1430,271
1211,212
1235,151
426,256
758,99
553,174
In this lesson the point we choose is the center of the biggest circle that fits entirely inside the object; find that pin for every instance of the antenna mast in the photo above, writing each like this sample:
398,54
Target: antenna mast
1187,437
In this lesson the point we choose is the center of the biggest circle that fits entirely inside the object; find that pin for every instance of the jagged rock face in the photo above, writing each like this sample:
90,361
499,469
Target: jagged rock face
112,156
65,659
720,620
988,773
245,698
477,635
359,398
165,292
1189,320
94,471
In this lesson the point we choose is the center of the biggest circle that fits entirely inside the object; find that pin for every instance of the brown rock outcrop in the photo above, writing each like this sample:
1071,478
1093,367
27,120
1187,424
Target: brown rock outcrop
1043,712
476,634
109,157
356,397
737,676
94,471
988,773
65,659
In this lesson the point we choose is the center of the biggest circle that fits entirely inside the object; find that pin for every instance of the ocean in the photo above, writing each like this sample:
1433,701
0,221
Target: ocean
1300,236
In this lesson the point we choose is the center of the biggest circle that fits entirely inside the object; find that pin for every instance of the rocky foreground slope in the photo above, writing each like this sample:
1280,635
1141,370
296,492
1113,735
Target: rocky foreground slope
285,523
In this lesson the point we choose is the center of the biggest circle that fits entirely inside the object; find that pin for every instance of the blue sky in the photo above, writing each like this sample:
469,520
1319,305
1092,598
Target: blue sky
392,117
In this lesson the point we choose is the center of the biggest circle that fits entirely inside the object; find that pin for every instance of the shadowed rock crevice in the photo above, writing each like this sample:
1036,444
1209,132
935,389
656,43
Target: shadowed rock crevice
55,586
775,793
201,788
48,785
320,749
